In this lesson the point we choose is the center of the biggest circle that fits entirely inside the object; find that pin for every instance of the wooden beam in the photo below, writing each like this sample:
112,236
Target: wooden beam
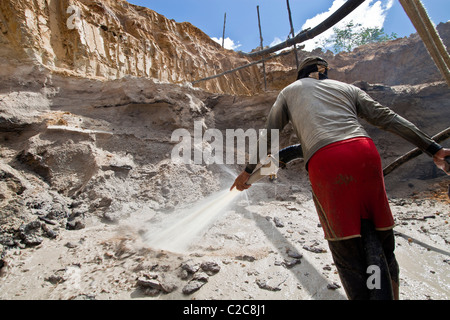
241,67
292,32
262,48
224,23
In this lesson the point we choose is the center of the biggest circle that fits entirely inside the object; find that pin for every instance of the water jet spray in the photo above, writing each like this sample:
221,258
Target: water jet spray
179,232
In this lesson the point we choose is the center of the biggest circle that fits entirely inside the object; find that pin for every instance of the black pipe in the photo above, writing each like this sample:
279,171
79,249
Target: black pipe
375,257
289,153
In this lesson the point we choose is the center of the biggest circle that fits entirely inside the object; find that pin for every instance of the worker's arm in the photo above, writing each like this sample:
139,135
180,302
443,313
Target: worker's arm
388,120
278,118
240,182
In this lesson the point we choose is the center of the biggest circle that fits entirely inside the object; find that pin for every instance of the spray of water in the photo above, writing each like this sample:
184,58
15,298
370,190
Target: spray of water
178,235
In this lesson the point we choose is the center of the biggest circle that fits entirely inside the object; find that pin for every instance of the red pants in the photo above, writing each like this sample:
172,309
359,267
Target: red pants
348,185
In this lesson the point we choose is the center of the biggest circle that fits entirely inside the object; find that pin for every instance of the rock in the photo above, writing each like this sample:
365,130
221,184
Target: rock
30,233
66,166
210,268
57,212
50,233
314,249
111,217
289,263
278,222
149,283
333,286
246,258
75,225
190,267
293,253
193,286
153,286
57,278
79,210
184,274
71,245
201,276
263,284
30,227
327,268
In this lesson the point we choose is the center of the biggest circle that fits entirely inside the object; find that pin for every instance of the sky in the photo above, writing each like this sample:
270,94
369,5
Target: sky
242,31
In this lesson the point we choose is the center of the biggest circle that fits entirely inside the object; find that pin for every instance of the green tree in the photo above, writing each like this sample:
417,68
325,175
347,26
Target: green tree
352,36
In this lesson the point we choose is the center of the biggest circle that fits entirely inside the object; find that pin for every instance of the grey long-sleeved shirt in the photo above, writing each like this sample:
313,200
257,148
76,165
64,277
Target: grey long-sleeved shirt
326,111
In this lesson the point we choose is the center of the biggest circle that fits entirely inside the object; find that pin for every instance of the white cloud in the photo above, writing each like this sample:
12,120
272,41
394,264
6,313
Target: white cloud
276,41
370,14
228,43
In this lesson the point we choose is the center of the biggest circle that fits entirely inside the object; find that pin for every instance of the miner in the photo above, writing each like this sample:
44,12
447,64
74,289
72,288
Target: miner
344,167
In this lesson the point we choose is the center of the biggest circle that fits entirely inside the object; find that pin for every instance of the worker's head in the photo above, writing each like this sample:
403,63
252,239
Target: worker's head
311,65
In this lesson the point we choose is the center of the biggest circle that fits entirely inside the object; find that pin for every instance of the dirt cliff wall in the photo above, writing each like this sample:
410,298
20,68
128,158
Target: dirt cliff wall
113,39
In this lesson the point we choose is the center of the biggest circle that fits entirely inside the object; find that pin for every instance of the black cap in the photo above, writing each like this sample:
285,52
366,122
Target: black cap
309,65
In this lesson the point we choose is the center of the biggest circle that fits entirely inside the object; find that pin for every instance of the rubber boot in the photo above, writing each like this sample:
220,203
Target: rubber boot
375,257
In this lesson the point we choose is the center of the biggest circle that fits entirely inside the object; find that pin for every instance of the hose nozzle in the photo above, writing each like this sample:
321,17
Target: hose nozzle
269,169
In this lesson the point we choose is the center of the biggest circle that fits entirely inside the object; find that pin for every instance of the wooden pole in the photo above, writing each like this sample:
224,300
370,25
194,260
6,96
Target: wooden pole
262,48
224,23
441,136
429,35
292,32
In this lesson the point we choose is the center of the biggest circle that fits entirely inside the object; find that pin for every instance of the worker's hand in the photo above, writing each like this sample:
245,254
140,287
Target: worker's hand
439,160
240,182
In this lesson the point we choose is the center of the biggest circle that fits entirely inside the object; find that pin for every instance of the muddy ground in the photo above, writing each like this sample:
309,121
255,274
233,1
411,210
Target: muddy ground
250,254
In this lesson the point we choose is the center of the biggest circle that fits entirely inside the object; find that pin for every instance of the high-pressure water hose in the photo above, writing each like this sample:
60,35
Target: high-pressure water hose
280,160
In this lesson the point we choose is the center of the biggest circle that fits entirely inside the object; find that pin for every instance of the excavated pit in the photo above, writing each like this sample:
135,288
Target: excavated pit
87,175
85,187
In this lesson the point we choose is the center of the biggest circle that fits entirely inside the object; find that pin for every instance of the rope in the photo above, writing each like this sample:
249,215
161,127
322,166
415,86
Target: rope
242,67
429,35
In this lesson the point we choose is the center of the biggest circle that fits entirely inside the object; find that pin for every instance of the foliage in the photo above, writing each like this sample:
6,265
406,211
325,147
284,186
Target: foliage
352,36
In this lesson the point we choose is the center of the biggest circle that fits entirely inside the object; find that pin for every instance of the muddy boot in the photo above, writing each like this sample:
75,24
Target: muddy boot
379,279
